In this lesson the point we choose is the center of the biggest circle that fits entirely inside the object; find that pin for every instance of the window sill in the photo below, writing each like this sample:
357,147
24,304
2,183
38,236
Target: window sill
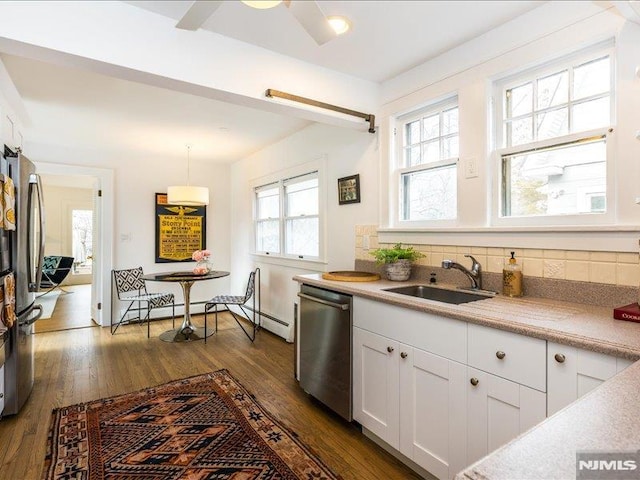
301,263
607,238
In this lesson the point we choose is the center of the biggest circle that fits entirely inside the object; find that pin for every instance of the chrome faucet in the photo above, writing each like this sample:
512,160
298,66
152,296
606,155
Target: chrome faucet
475,274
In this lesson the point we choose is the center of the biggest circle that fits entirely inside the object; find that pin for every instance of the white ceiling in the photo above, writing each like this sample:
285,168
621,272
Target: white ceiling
388,36
85,110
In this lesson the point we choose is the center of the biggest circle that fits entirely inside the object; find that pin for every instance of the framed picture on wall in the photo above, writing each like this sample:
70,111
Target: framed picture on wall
180,230
349,189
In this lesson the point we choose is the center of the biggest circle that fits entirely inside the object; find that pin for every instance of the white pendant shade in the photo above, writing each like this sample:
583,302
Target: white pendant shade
188,195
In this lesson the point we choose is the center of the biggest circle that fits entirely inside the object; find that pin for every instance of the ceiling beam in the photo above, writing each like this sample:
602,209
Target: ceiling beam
198,13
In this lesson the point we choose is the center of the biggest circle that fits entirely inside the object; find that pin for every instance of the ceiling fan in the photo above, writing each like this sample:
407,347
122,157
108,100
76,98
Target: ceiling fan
306,12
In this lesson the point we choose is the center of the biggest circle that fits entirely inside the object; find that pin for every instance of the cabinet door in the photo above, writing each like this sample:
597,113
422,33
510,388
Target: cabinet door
376,384
573,372
432,411
498,410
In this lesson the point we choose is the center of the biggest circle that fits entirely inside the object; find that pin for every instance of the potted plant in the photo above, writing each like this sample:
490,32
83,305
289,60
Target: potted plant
397,261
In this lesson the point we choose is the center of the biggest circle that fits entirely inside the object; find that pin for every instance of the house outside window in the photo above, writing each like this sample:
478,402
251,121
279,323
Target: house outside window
287,218
552,127
427,172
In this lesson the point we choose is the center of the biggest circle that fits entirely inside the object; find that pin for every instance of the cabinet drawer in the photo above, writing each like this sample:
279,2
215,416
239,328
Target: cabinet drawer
442,336
508,355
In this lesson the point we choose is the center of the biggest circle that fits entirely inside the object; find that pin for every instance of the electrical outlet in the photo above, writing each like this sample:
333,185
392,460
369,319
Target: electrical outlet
365,242
470,168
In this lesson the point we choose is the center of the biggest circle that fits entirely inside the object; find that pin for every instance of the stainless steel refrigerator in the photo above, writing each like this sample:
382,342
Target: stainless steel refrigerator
22,252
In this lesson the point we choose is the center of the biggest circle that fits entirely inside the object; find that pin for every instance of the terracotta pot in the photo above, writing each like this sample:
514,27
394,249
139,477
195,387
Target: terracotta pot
398,271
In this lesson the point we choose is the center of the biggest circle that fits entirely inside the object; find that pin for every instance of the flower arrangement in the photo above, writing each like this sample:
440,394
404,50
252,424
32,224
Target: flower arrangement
202,257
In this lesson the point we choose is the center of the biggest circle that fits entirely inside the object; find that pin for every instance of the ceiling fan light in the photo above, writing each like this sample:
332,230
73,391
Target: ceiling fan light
339,24
262,4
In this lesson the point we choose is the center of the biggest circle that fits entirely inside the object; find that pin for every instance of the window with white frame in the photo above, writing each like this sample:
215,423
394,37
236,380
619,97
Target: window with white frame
552,130
427,168
287,218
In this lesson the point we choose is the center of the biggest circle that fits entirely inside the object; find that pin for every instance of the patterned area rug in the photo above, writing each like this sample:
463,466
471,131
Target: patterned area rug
204,427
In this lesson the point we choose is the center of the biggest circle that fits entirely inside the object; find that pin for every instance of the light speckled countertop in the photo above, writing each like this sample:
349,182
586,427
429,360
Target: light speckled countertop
606,419
584,326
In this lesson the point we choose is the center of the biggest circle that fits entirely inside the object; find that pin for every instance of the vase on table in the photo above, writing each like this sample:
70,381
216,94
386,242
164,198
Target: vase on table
203,262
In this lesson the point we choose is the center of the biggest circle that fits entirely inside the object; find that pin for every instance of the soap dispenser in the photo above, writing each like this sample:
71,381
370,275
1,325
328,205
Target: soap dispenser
512,278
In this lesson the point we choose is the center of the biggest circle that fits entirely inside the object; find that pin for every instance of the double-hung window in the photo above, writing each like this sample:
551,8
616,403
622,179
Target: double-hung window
287,219
552,129
427,163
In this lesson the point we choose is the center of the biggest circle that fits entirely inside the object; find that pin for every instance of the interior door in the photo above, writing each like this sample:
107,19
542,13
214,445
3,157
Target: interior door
96,264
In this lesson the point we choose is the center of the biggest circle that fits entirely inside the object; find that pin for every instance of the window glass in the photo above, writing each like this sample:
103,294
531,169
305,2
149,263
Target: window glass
268,236
557,172
553,90
557,181
592,78
520,100
295,231
302,236
268,203
82,240
302,198
429,193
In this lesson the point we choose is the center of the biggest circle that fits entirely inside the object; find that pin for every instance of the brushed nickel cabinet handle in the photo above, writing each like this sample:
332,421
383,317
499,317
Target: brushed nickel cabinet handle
404,354
474,381
560,358
389,349
500,354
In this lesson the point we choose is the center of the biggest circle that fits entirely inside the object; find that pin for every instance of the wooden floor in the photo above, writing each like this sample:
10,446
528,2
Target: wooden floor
73,310
85,364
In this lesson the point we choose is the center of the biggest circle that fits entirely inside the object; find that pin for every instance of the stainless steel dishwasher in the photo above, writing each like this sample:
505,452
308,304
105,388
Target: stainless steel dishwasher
325,347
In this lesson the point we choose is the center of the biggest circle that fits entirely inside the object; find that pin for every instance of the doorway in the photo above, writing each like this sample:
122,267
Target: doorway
70,214
102,248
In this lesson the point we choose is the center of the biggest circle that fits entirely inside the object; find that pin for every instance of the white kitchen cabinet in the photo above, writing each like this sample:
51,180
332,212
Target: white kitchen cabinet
498,410
411,399
376,385
432,411
572,372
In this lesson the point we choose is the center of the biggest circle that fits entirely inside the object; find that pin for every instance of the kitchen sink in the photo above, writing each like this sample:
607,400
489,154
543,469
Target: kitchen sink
440,294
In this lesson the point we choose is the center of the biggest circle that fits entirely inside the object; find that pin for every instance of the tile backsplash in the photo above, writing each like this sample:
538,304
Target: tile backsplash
613,268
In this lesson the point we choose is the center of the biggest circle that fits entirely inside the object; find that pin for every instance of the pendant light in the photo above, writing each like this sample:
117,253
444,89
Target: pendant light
188,194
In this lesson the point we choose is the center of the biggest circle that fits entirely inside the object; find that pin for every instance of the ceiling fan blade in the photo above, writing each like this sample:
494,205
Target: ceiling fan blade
312,19
197,14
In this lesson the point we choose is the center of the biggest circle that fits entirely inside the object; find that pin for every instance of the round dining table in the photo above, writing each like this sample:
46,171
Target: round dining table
187,331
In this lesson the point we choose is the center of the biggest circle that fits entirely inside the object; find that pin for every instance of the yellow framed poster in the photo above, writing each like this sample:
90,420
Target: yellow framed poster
180,230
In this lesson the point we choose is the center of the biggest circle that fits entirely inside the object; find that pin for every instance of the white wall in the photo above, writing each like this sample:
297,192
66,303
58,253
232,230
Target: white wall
12,113
347,153
136,180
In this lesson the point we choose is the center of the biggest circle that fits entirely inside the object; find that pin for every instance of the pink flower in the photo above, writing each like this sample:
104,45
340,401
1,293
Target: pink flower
200,270
199,255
